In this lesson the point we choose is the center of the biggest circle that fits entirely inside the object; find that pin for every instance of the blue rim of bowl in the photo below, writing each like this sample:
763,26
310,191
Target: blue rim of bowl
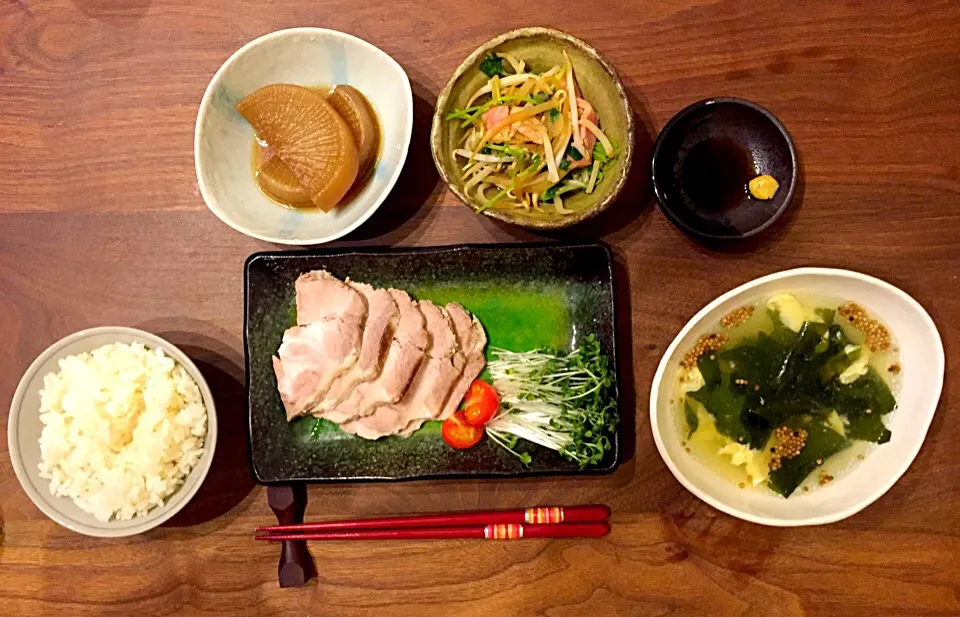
683,113
210,440
205,105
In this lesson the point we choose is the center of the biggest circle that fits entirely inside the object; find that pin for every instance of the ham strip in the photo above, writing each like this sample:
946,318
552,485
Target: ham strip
430,387
321,296
382,318
326,344
406,353
375,361
473,340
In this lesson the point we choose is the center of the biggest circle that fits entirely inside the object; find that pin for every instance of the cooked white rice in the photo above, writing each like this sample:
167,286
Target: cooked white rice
123,425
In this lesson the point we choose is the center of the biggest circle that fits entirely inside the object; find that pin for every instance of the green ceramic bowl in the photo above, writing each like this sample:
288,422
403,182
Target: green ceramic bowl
541,49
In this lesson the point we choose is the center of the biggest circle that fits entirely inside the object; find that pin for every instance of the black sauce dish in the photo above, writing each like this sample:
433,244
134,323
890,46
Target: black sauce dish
704,158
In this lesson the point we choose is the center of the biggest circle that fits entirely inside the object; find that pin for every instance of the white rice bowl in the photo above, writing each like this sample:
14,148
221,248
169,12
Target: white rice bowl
123,425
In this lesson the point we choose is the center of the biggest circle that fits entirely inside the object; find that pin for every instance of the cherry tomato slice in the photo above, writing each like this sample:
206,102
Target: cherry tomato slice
457,433
480,404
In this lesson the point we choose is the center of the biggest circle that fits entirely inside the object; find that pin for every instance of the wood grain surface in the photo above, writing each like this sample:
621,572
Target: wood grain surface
101,222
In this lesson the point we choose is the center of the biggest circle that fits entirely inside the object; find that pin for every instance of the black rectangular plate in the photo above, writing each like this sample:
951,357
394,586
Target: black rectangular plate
526,295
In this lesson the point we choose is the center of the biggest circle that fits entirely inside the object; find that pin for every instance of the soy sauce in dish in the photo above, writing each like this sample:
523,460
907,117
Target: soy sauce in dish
715,174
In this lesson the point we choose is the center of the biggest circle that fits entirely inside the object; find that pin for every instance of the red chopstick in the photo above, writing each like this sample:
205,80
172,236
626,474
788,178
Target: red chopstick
541,515
503,531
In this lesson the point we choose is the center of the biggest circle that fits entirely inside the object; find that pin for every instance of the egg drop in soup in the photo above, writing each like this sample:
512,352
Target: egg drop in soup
788,393
314,147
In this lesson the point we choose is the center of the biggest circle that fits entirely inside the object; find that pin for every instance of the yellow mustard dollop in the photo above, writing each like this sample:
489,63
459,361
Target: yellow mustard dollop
764,187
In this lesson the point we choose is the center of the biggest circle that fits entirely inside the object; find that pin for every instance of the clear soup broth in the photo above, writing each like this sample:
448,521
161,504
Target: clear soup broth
789,393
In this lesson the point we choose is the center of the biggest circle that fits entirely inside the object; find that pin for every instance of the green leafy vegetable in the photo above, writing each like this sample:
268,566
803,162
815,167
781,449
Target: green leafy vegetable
470,115
564,165
853,400
600,155
550,193
554,115
822,443
786,378
827,315
709,369
838,363
573,153
726,406
693,420
560,400
508,150
493,66
492,200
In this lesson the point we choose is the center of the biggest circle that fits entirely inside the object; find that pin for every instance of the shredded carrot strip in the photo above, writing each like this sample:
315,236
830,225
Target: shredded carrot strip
524,90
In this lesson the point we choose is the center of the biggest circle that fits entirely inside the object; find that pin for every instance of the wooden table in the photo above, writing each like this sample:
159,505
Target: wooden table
101,223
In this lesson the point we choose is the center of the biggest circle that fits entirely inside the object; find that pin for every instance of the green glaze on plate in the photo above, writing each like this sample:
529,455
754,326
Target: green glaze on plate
526,296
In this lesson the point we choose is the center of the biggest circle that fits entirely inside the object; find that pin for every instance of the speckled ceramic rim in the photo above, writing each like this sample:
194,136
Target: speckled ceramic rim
671,125
205,104
626,153
936,385
175,502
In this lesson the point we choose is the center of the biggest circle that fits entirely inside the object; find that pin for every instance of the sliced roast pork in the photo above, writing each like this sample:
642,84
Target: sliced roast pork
430,388
404,356
325,345
321,296
382,318
473,340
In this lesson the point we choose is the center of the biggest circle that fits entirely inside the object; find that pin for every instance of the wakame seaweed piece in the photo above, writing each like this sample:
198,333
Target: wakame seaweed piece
826,314
780,333
822,443
779,410
837,336
837,364
756,359
805,369
835,339
709,369
854,399
726,407
782,379
758,428
868,427
799,354
868,392
801,388
693,420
